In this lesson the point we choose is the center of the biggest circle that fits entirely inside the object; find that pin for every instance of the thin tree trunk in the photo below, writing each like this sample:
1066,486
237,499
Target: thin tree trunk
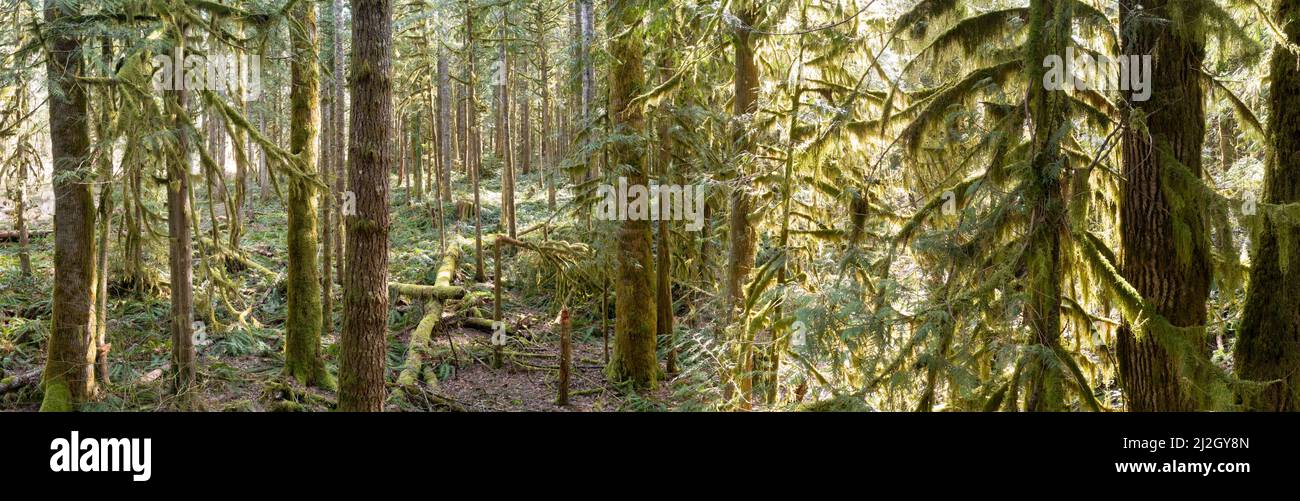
339,143
664,247
1049,33
473,153
503,146
740,257
740,231
20,223
105,226
181,248
328,105
444,125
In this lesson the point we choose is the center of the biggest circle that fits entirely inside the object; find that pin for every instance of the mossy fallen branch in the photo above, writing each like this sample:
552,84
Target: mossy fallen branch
418,346
415,291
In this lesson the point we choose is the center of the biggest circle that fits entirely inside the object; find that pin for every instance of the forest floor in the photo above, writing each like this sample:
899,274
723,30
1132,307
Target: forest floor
240,363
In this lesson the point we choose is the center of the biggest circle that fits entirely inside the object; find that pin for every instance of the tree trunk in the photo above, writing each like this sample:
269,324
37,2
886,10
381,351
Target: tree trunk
502,86
664,247
1165,249
444,125
634,304
417,156
339,143
473,155
181,247
740,232
20,223
546,133
1049,34
105,227
587,79
302,358
328,105
365,327
1268,348
68,377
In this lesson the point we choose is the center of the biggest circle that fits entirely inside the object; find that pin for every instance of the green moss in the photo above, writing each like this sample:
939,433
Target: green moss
838,403
58,398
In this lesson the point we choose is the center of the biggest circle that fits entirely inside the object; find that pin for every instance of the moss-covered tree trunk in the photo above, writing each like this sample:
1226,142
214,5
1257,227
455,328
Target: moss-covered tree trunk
634,307
365,299
1049,34
68,377
302,327
1268,348
741,235
180,249
1164,243
740,230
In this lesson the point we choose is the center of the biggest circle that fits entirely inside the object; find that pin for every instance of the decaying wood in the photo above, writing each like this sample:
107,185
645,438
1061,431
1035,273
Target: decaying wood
418,346
14,236
565,354
415,291
12,383
481,324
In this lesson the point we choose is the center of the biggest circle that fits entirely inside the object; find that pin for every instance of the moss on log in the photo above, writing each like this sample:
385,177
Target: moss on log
426,292
418,346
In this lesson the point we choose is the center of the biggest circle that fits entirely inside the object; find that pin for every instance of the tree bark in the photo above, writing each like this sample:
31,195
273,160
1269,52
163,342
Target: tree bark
365,327
1268,348
105,225
181,246
68,375
1049,34
328,106
473,153
634,305
1165,249
444,125
740,232
302,358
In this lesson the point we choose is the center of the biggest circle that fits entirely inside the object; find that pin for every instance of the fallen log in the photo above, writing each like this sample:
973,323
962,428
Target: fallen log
426,292
418,346
482,324
14,236
12,383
